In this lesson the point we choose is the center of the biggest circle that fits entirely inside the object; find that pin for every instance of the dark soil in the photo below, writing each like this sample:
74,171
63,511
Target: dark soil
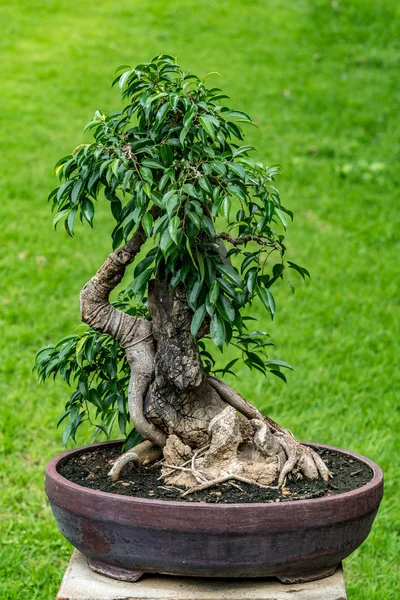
90,468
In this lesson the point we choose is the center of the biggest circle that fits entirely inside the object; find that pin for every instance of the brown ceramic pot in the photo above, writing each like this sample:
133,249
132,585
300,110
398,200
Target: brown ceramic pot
124,537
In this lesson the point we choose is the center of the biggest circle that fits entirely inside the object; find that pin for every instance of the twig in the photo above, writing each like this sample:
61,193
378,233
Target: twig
245,239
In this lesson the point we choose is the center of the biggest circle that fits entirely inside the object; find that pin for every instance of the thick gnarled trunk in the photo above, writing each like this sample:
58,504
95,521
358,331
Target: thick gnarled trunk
178,409
181,400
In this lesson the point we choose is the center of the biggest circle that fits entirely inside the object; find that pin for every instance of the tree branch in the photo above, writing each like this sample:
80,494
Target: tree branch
133,333
245,239
96,309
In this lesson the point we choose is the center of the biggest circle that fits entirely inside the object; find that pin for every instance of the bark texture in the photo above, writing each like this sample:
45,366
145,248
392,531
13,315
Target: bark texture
178,409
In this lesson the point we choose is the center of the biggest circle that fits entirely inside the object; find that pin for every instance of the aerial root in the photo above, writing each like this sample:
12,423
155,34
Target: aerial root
142,454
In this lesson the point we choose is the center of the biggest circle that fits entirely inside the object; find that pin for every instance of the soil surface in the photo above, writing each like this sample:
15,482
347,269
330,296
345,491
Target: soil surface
90,468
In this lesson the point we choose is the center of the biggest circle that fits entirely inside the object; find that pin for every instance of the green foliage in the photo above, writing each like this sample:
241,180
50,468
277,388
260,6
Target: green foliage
177,151
177,148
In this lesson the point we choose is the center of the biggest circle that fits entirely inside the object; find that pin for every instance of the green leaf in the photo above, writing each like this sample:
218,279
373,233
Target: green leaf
267,299
227,207
140,281
76,191
162,111
60,215
132,440
194,217
164,180
255,360
282,217
200,261
213,293
190,190
144,264
278,374
193,293
230,272
122,423
152,164
237,169
173,228
160,224
187,119
69,223
115,167
183,134
239,114
147,223
197,320
217,330
67,432
225,309
252,279
242,150
210,74
205,185
165,241
167,155
87,210
124,77
236,191
219,167
303,272
208,126
208,227
279,363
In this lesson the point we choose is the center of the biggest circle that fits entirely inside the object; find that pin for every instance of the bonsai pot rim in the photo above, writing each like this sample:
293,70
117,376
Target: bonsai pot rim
53,476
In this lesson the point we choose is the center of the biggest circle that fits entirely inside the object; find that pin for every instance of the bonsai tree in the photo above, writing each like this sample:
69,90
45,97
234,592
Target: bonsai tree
199,218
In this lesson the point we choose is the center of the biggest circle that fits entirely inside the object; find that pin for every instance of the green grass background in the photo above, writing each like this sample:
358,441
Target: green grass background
321,80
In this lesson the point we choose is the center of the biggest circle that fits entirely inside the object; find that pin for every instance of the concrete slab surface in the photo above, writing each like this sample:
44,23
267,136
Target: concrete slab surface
80,583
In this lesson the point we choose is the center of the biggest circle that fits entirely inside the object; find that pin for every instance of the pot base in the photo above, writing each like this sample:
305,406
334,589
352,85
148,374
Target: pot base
119,573
307,576
132,575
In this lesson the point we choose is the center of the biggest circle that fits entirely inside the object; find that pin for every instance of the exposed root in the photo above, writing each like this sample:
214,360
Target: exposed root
227,452
300,459
199,477
198,452
262,459
142,454
273,440
223,479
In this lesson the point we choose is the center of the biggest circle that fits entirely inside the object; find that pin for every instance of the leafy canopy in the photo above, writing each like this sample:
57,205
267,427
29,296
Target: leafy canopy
173,159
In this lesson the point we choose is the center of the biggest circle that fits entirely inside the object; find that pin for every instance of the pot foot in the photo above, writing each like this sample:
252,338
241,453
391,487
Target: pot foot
103,568
304,577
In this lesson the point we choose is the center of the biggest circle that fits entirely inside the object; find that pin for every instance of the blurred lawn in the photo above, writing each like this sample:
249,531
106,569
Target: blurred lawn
321,80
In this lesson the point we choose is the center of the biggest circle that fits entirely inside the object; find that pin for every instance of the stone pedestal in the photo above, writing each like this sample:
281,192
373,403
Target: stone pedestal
80,583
